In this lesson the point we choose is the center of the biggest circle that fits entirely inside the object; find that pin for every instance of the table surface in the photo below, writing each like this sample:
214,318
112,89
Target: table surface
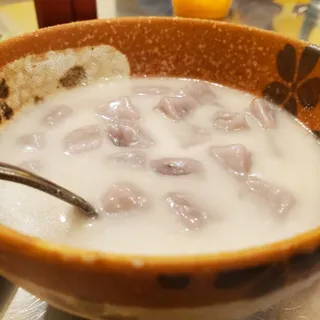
283,16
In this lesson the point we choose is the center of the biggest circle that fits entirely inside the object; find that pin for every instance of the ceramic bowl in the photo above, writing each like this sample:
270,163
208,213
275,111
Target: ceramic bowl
123,287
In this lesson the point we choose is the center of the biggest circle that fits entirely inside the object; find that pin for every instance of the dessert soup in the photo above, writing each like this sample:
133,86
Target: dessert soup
173,166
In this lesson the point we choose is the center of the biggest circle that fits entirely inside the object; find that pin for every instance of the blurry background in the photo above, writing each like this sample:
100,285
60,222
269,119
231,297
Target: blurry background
283,16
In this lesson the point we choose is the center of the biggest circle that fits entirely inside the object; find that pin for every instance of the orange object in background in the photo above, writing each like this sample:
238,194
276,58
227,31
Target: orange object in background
203,9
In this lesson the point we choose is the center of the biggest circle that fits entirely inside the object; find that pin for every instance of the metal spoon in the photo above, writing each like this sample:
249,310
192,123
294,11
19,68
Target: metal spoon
18,175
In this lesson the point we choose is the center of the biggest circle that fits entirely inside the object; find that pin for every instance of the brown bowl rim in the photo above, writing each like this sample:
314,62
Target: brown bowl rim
256,255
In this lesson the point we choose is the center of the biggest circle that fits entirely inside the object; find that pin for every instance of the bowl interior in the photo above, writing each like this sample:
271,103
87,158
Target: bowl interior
286,72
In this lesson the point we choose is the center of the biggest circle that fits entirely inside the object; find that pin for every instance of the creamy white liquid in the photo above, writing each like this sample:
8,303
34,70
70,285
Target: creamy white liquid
287,156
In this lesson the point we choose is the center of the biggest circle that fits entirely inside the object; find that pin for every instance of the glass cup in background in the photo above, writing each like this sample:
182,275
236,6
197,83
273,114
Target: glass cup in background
156,7
310,30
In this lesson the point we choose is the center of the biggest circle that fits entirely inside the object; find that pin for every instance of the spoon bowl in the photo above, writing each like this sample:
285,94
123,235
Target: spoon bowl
15,174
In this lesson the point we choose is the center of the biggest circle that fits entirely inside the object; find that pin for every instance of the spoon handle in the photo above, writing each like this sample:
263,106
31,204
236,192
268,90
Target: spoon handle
15,174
